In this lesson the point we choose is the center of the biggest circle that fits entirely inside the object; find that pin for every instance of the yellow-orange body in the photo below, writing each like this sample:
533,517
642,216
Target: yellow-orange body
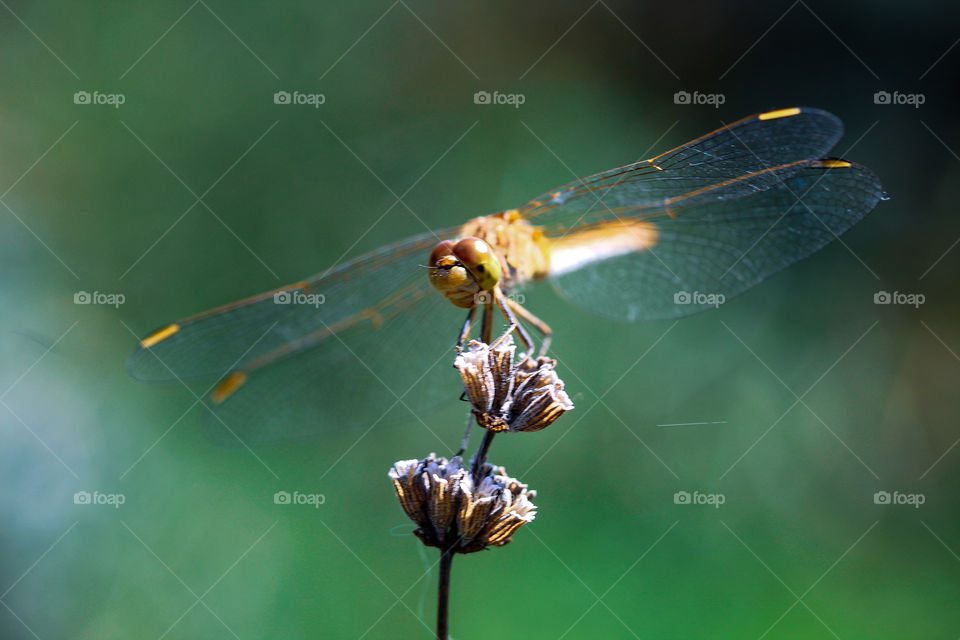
523,249
525,253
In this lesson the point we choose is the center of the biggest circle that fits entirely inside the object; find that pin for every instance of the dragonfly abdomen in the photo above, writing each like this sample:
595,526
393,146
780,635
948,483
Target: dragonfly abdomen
600,241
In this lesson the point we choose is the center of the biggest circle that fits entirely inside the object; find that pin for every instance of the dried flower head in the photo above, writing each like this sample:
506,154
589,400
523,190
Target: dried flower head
509,396
450,511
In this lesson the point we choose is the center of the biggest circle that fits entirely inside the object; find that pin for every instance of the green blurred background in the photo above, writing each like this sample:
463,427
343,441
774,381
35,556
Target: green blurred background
199,549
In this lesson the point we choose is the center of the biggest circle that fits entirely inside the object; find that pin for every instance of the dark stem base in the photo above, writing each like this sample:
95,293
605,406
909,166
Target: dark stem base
443,594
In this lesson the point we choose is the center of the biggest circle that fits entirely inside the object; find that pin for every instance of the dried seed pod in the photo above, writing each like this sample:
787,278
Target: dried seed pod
451,512
509,396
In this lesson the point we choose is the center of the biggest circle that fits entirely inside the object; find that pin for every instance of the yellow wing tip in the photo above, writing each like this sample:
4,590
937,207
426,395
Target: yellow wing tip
831,163
228,386
779,113
159,336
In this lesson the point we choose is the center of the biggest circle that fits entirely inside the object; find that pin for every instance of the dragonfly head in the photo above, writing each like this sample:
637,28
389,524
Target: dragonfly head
463,269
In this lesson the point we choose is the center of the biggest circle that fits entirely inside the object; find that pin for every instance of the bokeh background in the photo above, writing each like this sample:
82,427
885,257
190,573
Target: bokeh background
98,198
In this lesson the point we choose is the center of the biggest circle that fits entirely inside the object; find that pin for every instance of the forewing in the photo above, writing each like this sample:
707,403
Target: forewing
721,246
769,146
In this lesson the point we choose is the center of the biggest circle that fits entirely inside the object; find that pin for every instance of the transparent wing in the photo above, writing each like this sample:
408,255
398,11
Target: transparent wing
362,377
364,343
723,245
332,352
768,146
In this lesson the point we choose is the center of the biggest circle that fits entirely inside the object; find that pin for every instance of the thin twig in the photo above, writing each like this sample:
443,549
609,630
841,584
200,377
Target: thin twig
443,593
476,467
466,435
446,555
481,457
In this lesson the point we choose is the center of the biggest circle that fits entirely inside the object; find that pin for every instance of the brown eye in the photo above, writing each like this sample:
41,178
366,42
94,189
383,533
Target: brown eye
478,257
440,251
472,252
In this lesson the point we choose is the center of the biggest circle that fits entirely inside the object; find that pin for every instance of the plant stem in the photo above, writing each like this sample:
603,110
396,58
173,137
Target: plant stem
481,457
446,555
476,467
443,593
486,328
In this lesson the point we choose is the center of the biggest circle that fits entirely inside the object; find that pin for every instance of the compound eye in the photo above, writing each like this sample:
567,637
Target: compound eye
442,250
479,258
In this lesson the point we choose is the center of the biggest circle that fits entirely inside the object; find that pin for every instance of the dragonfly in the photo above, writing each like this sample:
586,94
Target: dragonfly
370,341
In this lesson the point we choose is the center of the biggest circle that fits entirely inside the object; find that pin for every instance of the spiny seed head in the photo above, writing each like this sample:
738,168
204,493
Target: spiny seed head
450,511
510,396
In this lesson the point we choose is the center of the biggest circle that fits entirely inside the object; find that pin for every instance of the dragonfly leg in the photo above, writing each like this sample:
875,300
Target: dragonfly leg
467,325
504,335
539,324
466,435
503,303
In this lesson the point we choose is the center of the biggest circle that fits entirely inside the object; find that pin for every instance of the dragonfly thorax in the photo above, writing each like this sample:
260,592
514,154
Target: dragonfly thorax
523,249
